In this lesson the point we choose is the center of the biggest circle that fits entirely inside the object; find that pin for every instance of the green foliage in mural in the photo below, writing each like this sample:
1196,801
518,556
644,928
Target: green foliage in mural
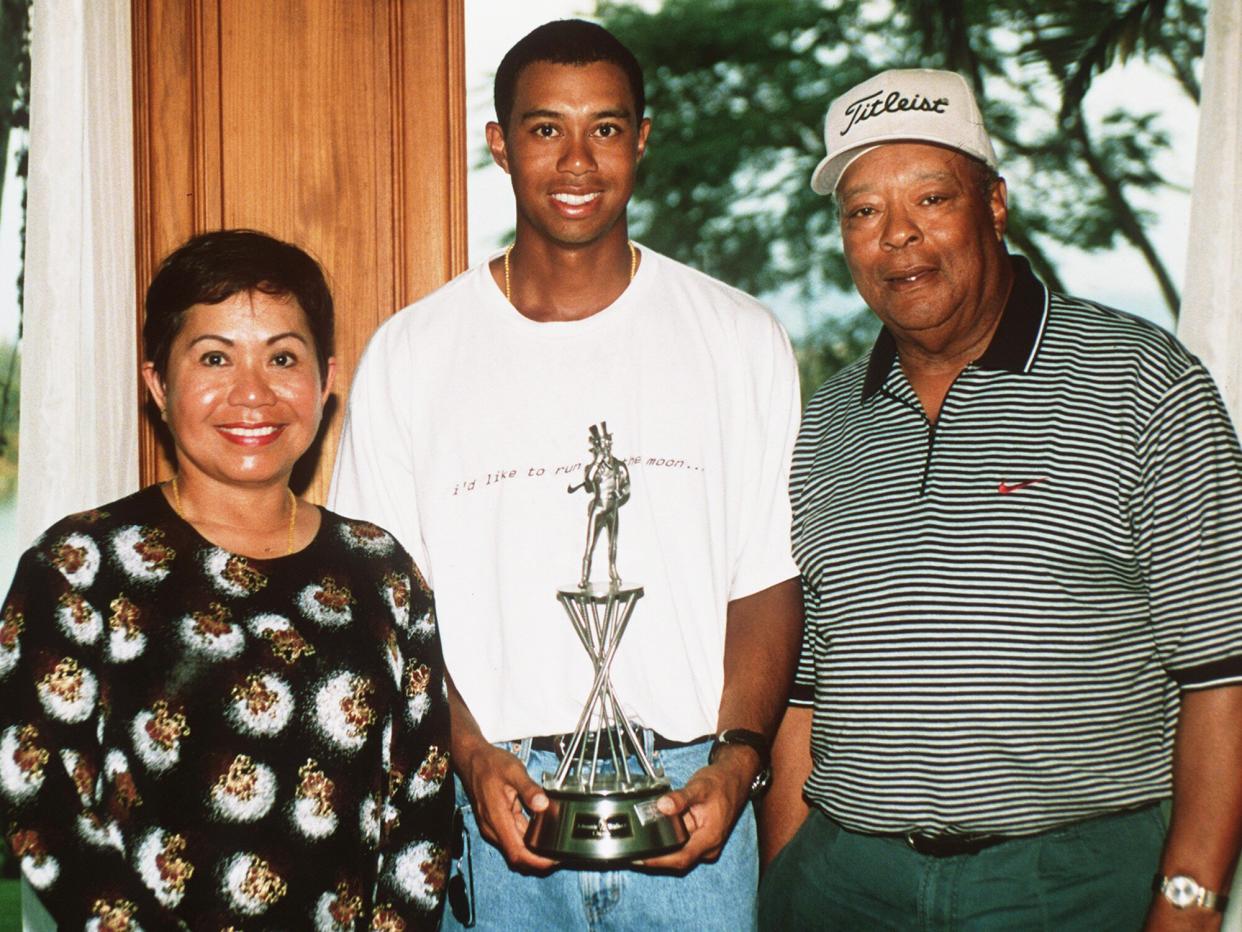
737,90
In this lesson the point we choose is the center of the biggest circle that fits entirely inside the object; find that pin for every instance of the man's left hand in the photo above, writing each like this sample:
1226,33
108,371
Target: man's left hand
709,804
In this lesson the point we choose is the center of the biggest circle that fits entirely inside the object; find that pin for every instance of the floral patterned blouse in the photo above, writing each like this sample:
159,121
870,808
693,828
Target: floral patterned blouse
193,738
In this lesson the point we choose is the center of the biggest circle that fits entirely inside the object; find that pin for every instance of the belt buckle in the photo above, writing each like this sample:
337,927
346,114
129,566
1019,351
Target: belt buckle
938,846
947,846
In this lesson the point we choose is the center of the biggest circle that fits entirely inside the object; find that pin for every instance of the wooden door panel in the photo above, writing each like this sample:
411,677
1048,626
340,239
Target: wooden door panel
335,124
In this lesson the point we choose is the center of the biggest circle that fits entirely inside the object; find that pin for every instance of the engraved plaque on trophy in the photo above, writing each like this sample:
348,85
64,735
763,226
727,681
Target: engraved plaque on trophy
602,798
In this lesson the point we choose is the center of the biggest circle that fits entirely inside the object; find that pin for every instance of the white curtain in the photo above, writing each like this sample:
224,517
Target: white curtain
79,440
79,417
1211,317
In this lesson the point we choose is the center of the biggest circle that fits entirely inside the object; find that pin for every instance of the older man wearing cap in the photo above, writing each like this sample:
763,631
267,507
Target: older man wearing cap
1019,524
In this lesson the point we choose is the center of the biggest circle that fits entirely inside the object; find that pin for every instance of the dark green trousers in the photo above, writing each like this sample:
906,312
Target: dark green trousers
1093,875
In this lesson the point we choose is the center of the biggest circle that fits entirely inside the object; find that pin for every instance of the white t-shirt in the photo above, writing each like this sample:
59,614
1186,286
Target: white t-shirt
468,423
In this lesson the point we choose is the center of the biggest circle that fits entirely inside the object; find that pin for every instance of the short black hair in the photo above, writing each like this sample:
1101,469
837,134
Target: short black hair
986,177
565,42
212,267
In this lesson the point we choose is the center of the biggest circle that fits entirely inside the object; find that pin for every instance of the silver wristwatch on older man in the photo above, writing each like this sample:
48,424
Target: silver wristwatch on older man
1182,890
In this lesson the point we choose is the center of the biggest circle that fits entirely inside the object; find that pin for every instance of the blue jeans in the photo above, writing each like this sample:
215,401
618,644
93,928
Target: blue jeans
1094,876
719,895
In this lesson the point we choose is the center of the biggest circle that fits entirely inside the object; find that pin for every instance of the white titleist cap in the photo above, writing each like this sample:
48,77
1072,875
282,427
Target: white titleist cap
913,105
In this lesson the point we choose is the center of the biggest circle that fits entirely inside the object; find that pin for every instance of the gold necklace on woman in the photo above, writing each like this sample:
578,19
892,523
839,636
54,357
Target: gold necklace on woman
509,249
293,512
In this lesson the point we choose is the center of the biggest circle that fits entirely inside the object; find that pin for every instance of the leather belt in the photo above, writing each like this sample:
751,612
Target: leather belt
950,846
556,744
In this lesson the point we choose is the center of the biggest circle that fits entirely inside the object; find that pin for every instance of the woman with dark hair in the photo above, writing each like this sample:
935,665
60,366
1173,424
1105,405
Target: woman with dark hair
220,705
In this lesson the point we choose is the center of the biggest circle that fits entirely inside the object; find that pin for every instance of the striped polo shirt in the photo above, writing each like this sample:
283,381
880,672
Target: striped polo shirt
1002,606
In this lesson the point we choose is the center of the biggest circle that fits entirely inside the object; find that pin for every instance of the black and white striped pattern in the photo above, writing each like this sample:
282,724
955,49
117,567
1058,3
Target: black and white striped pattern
1001,609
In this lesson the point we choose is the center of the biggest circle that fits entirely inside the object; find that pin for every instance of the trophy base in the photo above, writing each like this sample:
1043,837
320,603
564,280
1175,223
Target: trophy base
599,829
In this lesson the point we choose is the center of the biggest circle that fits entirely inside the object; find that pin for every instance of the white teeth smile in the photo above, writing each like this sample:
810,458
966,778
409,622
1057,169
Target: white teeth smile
250,431
575,200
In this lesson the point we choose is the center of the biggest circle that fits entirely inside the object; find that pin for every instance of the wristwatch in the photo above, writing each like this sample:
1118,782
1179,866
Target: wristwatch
759,744
1182,891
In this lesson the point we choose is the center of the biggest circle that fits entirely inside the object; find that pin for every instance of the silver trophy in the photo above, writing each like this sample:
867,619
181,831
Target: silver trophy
602,798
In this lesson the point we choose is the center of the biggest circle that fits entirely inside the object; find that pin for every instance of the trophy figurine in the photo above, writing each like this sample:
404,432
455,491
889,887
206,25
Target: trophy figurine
602,798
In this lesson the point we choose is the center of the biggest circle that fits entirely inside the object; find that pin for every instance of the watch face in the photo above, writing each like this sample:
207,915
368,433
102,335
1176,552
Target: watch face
1181,891
760,784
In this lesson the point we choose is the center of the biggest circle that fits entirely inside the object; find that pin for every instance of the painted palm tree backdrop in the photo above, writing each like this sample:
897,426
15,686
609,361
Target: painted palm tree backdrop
14,116
14,124
738,90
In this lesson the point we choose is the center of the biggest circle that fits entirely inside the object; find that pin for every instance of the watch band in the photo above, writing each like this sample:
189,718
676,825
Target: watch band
757,743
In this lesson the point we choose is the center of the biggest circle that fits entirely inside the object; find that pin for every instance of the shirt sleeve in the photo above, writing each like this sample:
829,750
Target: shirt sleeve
419,810
764,557
803,692
373,478
1188,525
53,695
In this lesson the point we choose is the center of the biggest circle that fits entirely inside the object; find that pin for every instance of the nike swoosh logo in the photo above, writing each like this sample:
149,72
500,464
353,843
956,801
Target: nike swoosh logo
1006,487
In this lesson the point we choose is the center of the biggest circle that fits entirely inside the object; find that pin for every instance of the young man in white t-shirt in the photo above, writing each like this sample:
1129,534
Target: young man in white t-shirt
467,427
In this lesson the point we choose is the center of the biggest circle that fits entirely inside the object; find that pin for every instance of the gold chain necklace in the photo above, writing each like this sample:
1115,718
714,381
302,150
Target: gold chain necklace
509,249
293,512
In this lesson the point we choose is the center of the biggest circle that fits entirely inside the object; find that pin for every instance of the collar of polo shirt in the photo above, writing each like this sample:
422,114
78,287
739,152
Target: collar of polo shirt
1014,346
